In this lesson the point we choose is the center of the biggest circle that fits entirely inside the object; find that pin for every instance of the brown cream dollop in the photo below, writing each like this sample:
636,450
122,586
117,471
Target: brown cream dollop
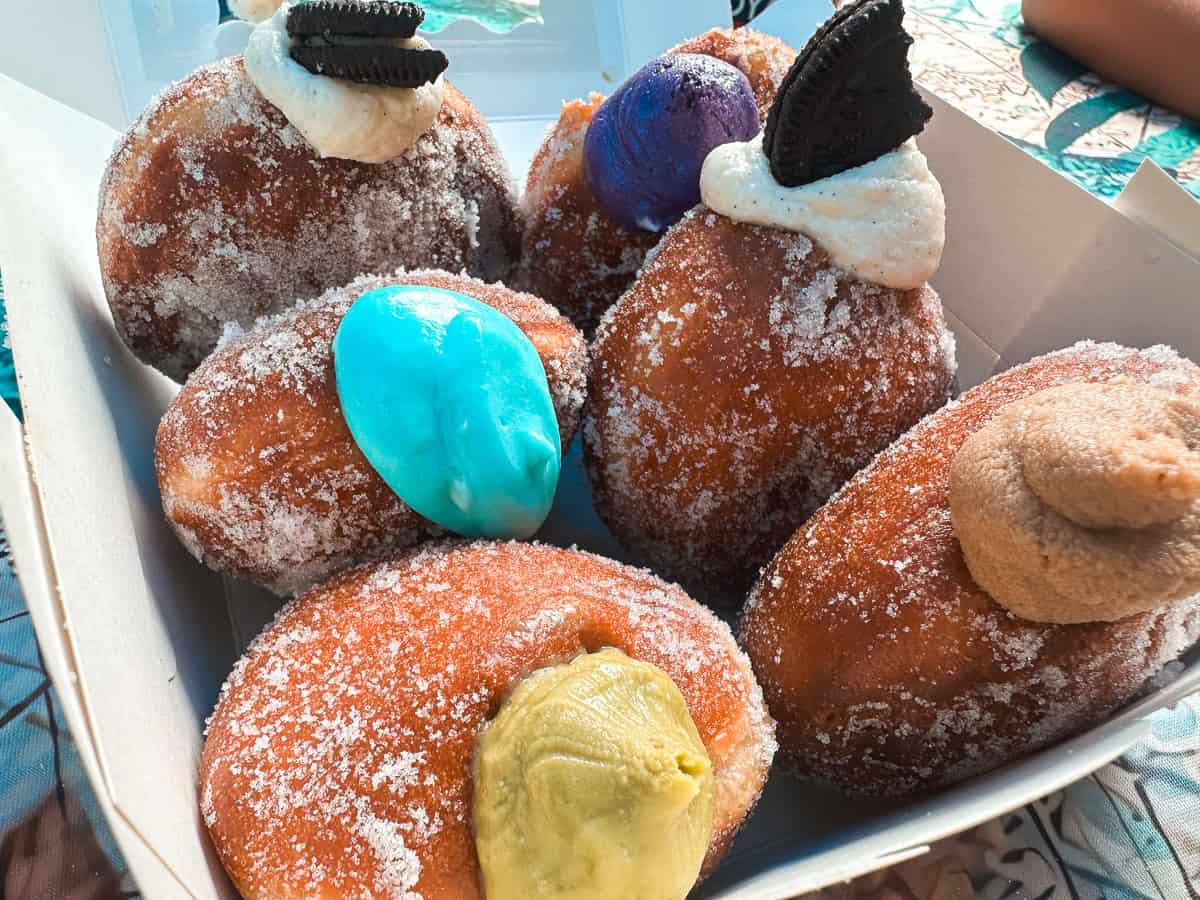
1081,503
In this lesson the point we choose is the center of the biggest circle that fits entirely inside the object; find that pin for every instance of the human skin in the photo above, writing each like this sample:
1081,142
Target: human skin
1148,46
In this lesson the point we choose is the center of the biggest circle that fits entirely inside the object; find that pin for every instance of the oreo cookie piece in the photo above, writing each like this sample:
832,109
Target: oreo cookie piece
369,64
358,41
849,97
331,19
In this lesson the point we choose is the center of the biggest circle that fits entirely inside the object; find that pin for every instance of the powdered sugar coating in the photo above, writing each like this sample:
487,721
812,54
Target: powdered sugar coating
889,669
338,760
259,474
740,381
214,209
573,254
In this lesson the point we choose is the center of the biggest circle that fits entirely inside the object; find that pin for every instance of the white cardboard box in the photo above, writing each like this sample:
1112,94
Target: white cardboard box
138,636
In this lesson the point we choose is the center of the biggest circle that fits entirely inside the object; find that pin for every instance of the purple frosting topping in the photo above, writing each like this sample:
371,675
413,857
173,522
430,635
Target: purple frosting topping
644,149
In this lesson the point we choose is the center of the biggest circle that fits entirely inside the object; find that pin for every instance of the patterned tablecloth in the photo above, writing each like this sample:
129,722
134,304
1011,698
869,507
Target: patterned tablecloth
54,843
1127,833
977,55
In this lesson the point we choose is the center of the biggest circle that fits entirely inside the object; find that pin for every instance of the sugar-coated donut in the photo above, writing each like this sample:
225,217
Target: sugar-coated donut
740,381
889,669
215,209
573,254
338,761
259,474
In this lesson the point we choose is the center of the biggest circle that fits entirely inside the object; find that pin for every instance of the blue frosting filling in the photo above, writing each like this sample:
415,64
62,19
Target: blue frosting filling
644,149
449,402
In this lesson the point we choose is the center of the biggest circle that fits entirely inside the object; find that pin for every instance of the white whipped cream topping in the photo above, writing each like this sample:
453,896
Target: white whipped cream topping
254,10
884,221
371,123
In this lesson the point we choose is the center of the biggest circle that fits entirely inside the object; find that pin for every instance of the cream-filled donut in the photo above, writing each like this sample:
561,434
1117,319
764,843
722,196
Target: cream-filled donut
576,254
344,754
947,612
244,186
260,472
782,333
370,123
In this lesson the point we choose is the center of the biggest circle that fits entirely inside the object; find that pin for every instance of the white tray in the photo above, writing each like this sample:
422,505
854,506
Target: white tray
137,635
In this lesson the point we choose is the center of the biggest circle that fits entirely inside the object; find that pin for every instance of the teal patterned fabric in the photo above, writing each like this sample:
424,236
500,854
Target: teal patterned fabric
745,10
978,54
8,375
54,841
496,15
1129,832
1093,132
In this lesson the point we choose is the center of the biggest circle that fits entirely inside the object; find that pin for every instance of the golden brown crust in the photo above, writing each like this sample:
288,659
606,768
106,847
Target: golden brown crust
737,384
215,209
338,761
258,472
888,668
574,255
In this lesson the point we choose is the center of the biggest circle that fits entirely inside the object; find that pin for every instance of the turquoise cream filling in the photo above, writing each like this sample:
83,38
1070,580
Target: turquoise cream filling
448,400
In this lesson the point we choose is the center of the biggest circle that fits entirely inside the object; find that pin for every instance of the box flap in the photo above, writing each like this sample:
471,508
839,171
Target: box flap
1034,263
145,623
27,539
1156,201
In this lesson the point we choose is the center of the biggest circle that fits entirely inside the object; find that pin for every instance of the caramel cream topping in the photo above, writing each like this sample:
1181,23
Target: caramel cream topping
1081,503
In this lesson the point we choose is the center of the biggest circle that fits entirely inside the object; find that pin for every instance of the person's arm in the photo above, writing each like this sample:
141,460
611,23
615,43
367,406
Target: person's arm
1149,46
